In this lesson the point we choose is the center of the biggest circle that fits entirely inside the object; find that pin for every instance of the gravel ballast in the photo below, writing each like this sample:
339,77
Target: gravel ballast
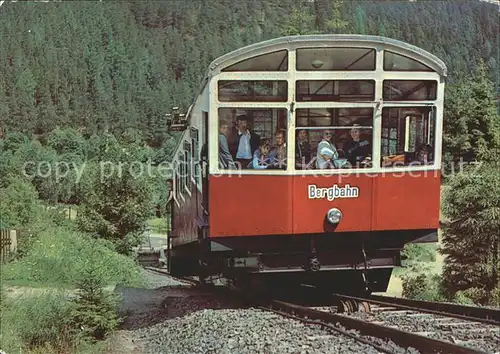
171,317
244,331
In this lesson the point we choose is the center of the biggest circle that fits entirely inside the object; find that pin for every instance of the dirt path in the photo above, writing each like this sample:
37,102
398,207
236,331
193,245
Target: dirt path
123,342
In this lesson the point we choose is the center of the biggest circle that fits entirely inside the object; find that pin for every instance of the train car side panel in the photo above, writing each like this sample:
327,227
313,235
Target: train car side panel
263,205
250,205
406,201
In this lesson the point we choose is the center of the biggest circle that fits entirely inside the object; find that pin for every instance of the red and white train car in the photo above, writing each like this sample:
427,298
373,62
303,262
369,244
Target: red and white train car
310,159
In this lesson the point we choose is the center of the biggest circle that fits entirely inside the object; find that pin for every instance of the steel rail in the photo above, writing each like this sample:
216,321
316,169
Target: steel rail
468,313
329,326
181,279
480,313
399,337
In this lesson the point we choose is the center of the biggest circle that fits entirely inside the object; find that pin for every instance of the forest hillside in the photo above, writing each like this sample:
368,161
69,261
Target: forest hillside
121,66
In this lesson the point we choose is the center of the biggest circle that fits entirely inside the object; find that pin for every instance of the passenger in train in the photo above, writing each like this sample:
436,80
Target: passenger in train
357,151
262,157
424,154
279,152
326,152
302,150
225,158
243,143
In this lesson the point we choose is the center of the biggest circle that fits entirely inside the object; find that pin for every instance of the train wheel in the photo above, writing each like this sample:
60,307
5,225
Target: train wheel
365,306
354,305
343,306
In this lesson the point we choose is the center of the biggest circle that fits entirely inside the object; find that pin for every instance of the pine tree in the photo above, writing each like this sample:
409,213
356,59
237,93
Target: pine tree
300,22
360,20
93,314
336,24
471,242
471,118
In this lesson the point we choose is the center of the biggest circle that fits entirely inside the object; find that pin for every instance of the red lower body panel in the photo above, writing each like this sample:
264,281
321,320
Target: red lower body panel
265,205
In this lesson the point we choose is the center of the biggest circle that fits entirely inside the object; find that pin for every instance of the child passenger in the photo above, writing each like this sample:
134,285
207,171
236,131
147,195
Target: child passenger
261,157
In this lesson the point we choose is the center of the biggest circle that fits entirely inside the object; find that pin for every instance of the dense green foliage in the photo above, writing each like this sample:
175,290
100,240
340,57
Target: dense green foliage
115,184
94,66
472,130
471,240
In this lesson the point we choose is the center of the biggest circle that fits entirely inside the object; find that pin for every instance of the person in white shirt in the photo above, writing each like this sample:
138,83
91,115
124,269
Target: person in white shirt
244,143
326,152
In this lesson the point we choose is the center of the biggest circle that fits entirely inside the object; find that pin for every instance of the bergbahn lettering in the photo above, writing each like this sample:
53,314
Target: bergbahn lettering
333,192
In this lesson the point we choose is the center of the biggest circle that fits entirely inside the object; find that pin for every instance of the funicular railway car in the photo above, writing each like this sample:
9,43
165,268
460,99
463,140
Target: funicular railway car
309,159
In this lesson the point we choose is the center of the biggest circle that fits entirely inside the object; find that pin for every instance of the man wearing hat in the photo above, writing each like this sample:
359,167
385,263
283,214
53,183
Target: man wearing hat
244,144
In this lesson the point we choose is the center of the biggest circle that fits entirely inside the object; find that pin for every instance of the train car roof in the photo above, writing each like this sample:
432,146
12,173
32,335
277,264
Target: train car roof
324,40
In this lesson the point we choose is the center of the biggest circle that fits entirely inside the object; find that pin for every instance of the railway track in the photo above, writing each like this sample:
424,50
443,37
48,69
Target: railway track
383,335
473,327
374,331
468,313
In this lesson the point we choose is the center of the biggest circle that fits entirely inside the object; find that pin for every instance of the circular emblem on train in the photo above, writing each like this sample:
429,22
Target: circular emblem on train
334,216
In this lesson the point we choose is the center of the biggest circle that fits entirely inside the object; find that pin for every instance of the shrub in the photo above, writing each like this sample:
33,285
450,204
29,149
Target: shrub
495,297
472,296
422,287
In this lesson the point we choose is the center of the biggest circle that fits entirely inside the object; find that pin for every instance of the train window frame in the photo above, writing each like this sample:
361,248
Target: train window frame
385,65
279,121
342,162
430,85
186,178
253,98
182,168
194,134
178,182
430,119
188,160
284,62
336,86
317,64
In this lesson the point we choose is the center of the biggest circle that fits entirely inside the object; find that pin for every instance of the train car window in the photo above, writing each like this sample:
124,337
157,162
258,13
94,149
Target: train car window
252,91
185,176
332,138
177,180
275,61
407,136
182,170
252,138
398,62
335,90
334,59
196,155
409,90
188,158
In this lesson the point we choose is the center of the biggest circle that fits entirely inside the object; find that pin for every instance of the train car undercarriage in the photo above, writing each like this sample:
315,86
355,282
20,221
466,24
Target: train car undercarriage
338,262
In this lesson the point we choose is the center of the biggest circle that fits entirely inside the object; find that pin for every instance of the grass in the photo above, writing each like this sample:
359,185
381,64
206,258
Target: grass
36,322
158,225
36,289
59,256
